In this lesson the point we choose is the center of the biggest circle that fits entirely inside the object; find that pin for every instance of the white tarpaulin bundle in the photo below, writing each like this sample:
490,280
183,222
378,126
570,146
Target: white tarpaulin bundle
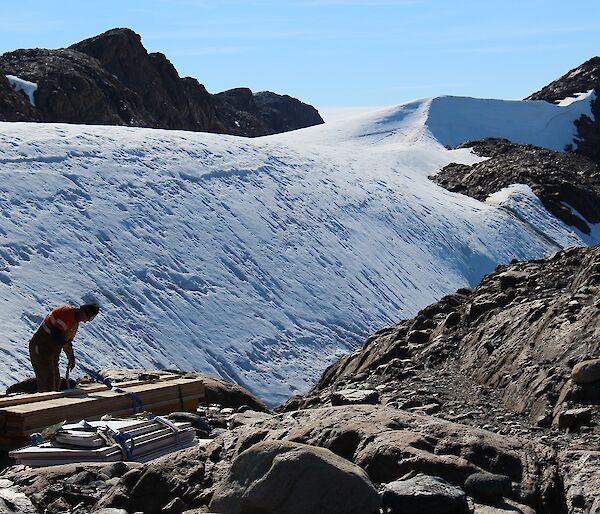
137,440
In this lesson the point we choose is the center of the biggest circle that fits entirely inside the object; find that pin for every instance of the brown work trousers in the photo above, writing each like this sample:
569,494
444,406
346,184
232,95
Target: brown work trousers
44,354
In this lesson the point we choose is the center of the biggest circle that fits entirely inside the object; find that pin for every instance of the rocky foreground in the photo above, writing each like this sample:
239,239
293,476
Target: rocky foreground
485,402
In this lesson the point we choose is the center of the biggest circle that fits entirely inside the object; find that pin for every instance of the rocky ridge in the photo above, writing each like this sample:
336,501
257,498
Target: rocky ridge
111,79
520,331
562,181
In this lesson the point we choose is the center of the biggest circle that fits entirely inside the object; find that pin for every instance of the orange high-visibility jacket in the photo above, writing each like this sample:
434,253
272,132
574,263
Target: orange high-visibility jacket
63,318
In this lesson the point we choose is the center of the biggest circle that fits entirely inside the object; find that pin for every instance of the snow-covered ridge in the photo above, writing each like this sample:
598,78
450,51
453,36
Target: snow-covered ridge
261,260
452,120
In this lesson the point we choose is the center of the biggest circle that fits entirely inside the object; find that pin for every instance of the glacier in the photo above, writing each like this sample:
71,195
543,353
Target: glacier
260,260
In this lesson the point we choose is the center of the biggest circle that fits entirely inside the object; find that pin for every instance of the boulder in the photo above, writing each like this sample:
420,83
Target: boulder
355,397
390,455
512,278
488,487
586,372
389,443
574,417
424,494
276,477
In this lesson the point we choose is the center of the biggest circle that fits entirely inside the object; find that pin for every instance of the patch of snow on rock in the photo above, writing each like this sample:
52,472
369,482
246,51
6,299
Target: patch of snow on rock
29,88
579,97
520,200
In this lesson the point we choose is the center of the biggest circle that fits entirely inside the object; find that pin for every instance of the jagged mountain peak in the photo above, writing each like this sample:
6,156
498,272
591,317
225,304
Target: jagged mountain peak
112,79
584,77
116,37
575,83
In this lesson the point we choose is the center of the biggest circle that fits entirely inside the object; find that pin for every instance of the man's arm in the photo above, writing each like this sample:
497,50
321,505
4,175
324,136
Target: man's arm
68,349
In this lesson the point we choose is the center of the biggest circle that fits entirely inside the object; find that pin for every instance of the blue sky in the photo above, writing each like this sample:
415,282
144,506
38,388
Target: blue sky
336,52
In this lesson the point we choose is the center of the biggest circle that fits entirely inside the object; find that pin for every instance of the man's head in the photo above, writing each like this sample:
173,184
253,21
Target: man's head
88,311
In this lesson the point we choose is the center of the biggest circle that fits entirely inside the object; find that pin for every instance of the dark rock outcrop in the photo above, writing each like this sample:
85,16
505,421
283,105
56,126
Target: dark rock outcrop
558,179
153,78
237,109
283,113
579,80
74,88
111,79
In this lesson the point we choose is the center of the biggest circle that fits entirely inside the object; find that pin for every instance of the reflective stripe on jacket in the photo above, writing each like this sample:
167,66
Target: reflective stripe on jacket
63,318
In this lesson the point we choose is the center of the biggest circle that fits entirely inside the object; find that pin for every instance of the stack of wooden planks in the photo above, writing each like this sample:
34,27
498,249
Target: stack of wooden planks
23,415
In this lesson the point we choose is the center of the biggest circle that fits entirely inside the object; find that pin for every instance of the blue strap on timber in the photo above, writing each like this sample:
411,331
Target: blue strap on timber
167,423
36,439
121,438
138,405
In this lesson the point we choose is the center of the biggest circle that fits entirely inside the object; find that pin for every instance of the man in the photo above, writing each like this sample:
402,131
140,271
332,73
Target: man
56,333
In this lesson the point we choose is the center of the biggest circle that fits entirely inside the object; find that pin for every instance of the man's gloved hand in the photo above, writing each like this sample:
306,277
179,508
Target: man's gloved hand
71,364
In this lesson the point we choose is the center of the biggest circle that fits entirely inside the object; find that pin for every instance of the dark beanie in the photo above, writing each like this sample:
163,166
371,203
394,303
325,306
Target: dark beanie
91,309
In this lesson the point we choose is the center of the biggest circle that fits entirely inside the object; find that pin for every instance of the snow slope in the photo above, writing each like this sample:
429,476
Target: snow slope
261,260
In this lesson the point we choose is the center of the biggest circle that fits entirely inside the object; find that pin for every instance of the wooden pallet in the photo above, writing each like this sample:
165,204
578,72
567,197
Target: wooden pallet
160,397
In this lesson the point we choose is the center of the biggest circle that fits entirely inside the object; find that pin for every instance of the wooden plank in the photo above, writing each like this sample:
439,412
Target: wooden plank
160,408
177,394
147,390
20,399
